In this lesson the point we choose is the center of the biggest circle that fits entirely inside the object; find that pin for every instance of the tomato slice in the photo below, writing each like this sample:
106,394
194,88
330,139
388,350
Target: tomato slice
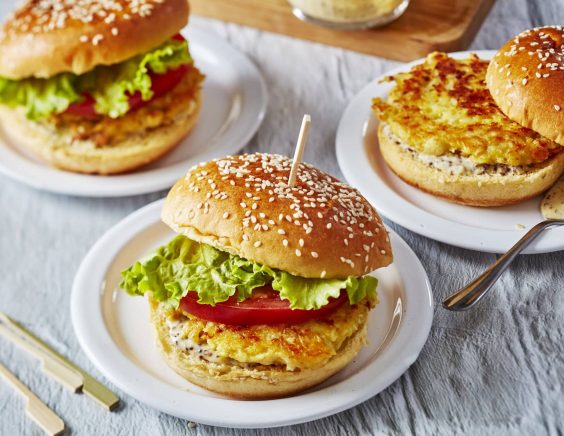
264,307
160,85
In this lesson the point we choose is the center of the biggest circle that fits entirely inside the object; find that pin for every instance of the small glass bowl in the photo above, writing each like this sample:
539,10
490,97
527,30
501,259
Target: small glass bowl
349,14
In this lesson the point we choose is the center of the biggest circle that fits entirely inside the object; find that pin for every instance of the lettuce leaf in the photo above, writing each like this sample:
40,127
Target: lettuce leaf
109,85
40,97
184,265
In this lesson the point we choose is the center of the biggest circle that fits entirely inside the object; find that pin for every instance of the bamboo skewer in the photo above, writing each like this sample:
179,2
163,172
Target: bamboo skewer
300,146
90,386
53,368
35,408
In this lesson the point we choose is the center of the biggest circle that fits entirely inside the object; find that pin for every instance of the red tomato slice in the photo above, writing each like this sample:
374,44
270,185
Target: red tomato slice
265,307
160,85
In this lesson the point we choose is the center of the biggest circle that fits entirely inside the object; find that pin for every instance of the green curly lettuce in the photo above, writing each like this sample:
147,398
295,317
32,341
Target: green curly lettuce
184,265
110,86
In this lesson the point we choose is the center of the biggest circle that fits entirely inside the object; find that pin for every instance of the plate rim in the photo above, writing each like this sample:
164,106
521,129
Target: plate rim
253,87
401,211
93,339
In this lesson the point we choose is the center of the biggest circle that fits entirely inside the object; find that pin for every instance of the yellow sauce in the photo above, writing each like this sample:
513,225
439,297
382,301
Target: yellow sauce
346,11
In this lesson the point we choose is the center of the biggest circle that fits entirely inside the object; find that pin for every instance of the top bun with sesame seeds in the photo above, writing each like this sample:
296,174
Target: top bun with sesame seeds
320,228
526,80
45,37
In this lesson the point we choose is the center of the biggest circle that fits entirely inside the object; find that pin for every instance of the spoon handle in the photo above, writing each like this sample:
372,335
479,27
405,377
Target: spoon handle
470,294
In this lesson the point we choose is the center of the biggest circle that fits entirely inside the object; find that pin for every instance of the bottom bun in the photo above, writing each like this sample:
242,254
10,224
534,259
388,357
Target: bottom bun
250,381
62,150
454,179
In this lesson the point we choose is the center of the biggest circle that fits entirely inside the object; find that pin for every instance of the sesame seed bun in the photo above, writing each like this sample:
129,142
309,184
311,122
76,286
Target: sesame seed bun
320,228
526,80
42,39
491,185
254,381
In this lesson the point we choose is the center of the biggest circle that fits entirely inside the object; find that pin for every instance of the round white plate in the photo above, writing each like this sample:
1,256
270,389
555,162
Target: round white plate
234,102
493,230
114,331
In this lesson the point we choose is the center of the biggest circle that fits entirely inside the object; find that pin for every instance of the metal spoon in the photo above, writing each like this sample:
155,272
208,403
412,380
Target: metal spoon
466,297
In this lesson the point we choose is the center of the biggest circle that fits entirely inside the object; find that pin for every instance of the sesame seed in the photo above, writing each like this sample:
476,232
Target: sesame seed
281,232
301,242
557,108
96,39
314,254
329,225
257,244
323,274
298,252
285,242
226,215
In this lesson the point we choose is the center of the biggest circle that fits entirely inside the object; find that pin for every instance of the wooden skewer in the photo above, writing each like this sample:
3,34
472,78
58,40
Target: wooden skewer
35,408
53,368
300,146
92,387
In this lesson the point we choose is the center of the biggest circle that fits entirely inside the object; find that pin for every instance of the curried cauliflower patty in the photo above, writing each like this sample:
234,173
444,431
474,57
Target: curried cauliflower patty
300,346
105,131
443,106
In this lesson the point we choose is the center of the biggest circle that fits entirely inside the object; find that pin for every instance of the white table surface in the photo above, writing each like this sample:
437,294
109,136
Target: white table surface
497,369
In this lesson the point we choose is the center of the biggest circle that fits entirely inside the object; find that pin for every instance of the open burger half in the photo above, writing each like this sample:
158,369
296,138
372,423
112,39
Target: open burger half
476,132
265,291
97,87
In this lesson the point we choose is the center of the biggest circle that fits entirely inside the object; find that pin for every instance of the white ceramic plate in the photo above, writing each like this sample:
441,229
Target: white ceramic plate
485,229
233,106
114,331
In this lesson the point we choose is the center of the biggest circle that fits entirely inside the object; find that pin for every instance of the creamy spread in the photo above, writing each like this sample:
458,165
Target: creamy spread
552,205
177,337
200,351
455,164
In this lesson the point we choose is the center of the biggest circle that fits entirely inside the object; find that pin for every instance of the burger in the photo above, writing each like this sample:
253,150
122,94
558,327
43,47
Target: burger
97,87
266,289
475,132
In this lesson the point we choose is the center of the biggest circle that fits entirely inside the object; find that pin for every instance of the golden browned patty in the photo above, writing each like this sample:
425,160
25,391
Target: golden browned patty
289,347
105,131
443,106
